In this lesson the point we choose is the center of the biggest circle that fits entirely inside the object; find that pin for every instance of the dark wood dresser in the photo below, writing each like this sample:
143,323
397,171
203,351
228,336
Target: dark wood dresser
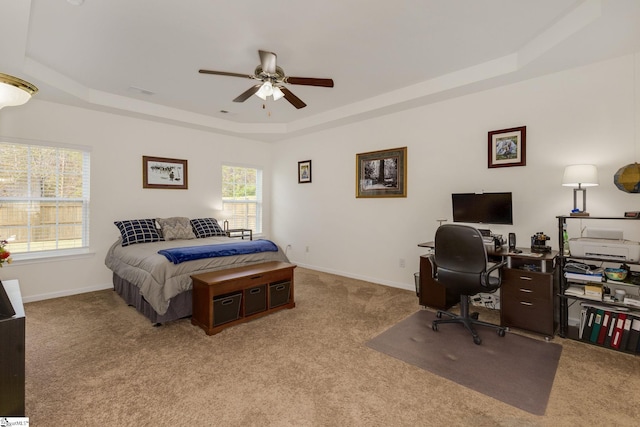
12,353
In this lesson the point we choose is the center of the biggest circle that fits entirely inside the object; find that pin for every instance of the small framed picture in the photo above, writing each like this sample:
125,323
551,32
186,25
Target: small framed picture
158,172
508,147
304,171
382,173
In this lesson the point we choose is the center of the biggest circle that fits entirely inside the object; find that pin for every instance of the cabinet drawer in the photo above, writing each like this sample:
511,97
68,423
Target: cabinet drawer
532,315
250,281
527,285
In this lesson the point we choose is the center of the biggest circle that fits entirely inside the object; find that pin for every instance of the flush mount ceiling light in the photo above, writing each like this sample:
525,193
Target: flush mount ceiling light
14,91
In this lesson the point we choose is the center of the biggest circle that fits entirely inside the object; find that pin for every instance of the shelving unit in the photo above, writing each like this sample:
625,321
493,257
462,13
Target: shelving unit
565,330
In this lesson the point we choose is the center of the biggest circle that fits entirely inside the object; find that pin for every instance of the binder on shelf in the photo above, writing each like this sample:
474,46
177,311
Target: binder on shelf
634,337
602,333
612,326
588,323
597,323
626,331
616,340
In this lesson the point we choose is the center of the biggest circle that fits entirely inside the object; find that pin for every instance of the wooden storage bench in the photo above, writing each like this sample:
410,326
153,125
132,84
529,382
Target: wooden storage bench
228,297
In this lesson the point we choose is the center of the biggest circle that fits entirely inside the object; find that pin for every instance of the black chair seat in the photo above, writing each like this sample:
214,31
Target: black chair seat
460,264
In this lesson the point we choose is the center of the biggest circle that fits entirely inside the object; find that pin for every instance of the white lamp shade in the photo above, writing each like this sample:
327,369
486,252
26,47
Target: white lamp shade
580,176
277,93
265,90
14,91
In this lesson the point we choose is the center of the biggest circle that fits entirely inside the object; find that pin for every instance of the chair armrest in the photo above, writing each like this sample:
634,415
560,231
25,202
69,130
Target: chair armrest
484,281
496,266
434,267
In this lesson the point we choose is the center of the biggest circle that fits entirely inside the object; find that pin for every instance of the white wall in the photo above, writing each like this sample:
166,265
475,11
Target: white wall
584,115
117,145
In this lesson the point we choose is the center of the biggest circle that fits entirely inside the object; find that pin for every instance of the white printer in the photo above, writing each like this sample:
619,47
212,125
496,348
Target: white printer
606,244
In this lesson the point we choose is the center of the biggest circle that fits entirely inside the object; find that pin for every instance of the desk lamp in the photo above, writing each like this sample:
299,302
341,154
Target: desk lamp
580,176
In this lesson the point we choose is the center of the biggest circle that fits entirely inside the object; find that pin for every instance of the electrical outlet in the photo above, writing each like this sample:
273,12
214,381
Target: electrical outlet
401,263
306,249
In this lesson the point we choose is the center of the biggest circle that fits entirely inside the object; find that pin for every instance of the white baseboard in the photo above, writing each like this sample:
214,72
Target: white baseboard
67,293
408,287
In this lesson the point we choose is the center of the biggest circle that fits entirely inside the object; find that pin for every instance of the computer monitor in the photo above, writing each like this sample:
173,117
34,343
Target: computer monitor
484,208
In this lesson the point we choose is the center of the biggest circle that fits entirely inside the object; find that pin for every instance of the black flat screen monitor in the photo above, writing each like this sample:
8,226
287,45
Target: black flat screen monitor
485,208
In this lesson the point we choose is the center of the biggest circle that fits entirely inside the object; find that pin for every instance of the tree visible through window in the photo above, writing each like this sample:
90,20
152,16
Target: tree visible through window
242,195
44,197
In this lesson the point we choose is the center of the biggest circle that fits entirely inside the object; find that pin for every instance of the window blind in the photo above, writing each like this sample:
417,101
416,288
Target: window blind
44,197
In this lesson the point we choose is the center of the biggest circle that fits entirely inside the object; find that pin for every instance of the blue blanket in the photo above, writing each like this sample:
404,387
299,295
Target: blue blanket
189,253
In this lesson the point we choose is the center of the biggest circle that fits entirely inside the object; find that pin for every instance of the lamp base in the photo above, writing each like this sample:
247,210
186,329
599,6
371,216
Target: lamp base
579,214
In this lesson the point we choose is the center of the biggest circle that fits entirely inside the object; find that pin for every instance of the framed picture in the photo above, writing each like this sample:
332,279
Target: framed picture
158,172
304,172
508,147
382,173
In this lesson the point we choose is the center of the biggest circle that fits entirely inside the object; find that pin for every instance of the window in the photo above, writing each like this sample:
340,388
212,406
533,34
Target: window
44,197
242,195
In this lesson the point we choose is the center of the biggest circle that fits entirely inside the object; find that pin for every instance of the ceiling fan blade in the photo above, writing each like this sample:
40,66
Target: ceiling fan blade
268,61
294,100
309,81
247,93
224,73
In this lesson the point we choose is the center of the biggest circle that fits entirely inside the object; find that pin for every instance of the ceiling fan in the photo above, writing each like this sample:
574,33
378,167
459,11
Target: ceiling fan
272,78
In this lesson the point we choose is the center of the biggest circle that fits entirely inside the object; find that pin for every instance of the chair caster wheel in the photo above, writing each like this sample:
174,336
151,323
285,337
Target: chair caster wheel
434,326
475,315
477,340
501,332
438,315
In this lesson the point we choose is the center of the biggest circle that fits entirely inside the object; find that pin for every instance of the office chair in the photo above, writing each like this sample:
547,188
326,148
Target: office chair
460,264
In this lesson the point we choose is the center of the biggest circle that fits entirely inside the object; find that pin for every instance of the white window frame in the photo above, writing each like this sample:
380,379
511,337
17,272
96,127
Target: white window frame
236,222
83,249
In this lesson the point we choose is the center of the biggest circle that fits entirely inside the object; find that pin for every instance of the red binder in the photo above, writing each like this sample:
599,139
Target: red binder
604,328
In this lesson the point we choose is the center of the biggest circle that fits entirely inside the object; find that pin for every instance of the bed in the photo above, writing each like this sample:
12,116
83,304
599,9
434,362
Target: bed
161,289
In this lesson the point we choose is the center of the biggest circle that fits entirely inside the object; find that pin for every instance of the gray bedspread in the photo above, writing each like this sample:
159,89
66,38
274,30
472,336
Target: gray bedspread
159,280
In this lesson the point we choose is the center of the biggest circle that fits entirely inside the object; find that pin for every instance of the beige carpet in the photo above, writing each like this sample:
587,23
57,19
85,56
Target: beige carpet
514,369
93,361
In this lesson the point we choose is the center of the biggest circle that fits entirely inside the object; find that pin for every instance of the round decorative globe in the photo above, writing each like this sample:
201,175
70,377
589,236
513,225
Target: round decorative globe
627,178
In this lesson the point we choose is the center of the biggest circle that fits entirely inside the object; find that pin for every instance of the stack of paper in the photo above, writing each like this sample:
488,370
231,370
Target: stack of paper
577,291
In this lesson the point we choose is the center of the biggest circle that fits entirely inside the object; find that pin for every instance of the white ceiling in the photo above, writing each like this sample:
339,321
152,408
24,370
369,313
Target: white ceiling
383,56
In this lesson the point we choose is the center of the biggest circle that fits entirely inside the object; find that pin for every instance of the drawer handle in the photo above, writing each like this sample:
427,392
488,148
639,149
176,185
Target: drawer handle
526,303
525,278
526,290
256,277
254,291
226,301
280,287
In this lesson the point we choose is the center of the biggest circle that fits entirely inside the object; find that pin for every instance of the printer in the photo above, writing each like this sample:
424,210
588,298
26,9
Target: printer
606,244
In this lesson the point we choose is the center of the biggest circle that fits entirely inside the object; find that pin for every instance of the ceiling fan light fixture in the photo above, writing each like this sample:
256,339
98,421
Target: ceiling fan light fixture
14,91
265,91
277,93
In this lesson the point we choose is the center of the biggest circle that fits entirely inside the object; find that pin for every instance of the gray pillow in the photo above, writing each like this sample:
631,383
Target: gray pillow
176,228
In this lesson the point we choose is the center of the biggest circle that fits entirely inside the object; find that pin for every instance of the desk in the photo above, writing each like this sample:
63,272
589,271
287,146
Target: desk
528,291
